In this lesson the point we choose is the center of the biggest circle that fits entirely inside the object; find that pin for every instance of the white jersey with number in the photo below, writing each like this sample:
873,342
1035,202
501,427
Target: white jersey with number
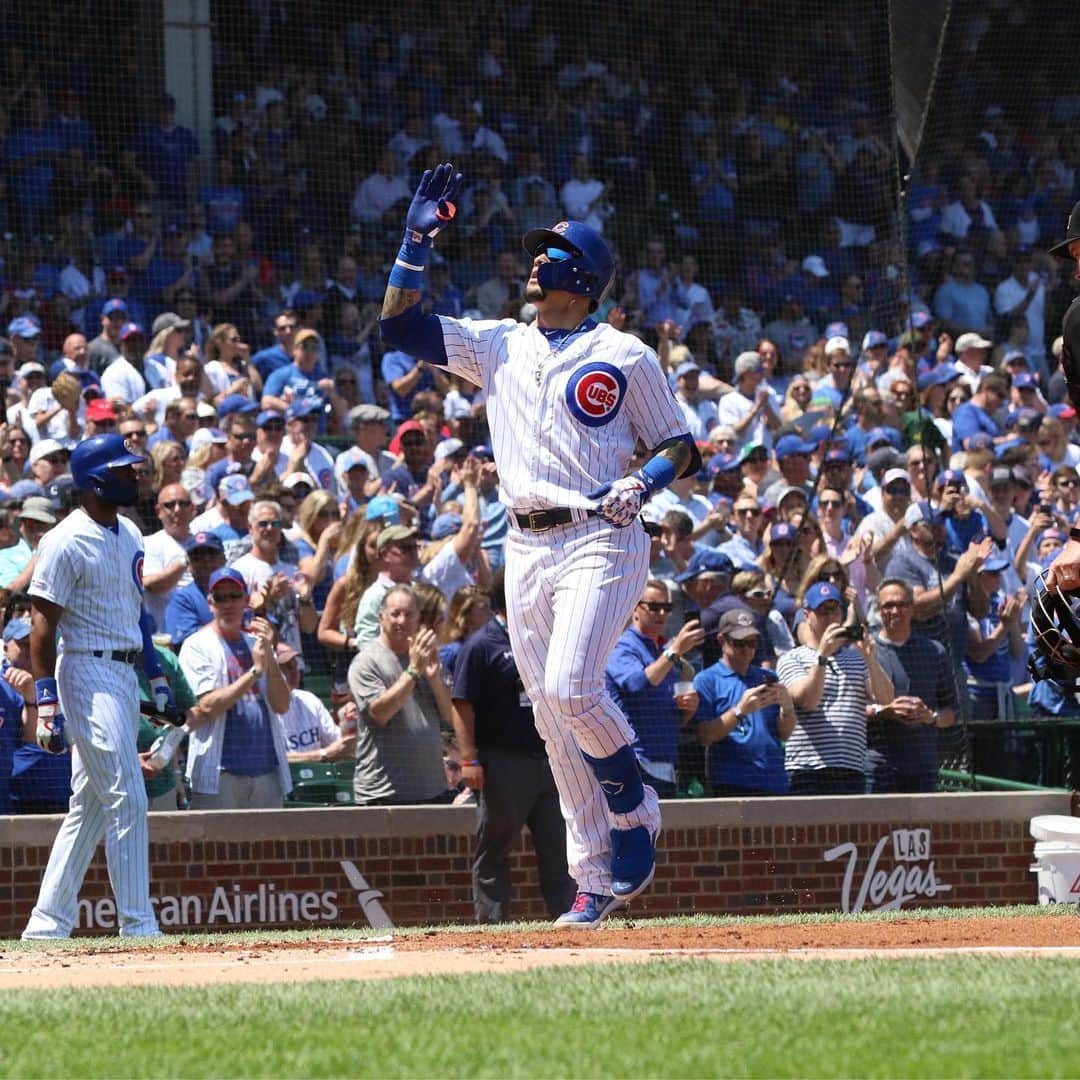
563,422
94,573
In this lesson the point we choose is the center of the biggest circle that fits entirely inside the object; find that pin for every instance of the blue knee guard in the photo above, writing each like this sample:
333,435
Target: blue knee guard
619,779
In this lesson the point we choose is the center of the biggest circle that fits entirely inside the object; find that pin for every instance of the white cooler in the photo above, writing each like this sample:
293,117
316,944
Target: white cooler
1057,854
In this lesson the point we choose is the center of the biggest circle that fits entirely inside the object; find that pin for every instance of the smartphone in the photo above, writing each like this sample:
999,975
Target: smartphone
769,678
691,616
854,632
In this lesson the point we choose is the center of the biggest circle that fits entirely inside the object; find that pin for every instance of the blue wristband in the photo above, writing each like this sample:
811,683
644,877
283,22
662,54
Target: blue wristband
657,473
408,269
46,691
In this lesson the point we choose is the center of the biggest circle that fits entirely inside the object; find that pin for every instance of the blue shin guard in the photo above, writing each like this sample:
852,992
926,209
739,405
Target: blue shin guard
633,851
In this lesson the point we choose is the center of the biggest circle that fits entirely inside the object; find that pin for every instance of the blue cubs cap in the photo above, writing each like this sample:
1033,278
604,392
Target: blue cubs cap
1015,356
872,339
938,376
267,415
17,630
236,403
130,329
23,489
1026,380
23,327
951,476
706,561
114,305
782,530
995,564
687,367
787,445
229,575
483,452
1026,420
722,463
836,329
199,540
385,507
1002,448
303,407
981,440
354,458
823,592
887,435
838,455
236,490
919,319
445,525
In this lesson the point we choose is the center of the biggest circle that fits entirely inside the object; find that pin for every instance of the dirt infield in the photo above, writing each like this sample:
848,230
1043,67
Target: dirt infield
177,962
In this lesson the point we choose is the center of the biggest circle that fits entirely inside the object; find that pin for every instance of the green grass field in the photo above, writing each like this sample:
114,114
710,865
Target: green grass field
954,1016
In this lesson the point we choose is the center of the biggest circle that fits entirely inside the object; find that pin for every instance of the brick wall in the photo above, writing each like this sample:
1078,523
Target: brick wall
279,869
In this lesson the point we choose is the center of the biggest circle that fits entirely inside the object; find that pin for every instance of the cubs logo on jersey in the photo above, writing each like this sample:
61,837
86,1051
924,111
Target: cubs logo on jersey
137,571
595,392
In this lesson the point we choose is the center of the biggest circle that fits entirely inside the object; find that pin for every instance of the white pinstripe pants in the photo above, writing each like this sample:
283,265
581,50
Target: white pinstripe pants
569,594
100,702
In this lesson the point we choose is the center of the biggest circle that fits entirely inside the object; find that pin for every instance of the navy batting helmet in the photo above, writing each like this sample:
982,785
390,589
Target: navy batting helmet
93,465
581,263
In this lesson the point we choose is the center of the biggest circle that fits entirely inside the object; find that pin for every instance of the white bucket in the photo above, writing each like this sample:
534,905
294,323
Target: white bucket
1058,869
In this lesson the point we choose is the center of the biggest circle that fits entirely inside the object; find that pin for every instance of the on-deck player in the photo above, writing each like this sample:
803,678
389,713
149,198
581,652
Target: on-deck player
87,585
567,399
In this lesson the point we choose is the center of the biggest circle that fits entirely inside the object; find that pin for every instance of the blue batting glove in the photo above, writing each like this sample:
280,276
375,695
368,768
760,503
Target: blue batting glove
50,721
433,206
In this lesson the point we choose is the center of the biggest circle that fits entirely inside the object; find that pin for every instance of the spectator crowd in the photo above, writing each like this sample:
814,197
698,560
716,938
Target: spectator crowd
891,459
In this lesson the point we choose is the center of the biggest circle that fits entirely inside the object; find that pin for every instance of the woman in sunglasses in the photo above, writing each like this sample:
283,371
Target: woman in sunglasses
784,563
834,572
753,590
228,365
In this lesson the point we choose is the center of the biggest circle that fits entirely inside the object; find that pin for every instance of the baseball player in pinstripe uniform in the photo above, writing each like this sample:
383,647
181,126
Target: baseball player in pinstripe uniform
87,589
567,400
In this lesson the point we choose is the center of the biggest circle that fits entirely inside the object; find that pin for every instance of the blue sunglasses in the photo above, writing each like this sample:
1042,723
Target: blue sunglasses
556,254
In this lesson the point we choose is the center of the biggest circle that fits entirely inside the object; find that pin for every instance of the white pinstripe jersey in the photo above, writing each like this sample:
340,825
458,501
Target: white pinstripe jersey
562,423
95,574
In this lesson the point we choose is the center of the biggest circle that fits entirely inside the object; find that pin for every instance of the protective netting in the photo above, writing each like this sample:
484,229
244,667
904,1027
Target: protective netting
242,163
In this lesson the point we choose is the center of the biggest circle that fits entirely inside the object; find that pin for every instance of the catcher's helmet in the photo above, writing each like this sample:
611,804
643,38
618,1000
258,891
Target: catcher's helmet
1055,627
93,465
589,268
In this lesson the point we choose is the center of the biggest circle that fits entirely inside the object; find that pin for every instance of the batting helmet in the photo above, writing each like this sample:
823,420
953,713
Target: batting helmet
93,465
1055,627
581,263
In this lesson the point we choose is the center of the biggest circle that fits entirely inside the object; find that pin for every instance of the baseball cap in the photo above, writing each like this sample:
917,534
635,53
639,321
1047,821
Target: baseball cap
1026,380
994,564
706,561
100,409
885,457
38,508
367,414
889,436
284,652
782,530
23,327
1062,411
836,329
972,341
199,540
236,403
822,592
1001,474
722,463
893,475
837,344
951,476
784,492
787,445
1053,534
17,630
872,339
296,478
43,448
131,329
483,452
981,440
815,264
747,361
445,525
229,575
385,507
235,490
206,411
917,513
737,624
267,415
837,455
169,320
1015,356
687,367
938,376
354,458
114,305
447,448
31,367
303,407
22,489
1026,420
919,319
61,492
208,436
392,534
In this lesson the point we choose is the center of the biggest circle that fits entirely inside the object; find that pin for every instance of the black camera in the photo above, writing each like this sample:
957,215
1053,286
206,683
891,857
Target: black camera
854,632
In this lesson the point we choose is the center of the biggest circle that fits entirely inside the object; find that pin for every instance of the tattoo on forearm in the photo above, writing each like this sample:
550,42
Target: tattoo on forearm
398,300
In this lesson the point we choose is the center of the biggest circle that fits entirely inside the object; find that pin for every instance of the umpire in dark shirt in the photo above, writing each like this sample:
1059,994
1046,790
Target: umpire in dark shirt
503,758
903,735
